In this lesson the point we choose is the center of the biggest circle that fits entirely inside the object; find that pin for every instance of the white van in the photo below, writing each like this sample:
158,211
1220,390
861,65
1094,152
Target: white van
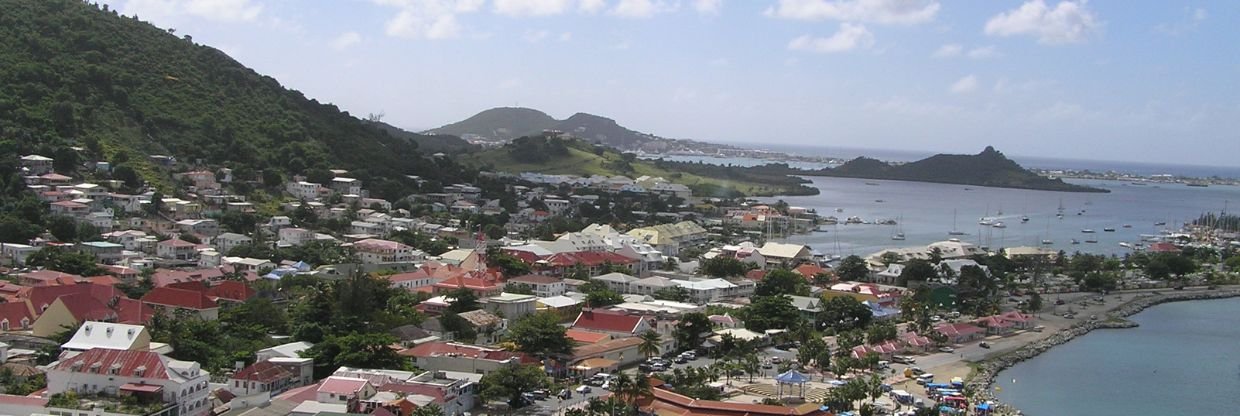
925,378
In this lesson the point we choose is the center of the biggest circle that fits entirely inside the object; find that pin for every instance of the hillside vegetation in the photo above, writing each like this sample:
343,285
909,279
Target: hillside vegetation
76,74
507,123
988,168
576,157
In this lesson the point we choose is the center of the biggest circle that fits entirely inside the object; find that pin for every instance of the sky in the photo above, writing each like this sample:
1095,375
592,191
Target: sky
1142,80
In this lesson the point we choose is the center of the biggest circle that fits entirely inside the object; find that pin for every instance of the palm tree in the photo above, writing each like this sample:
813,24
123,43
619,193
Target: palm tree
650,344
751,365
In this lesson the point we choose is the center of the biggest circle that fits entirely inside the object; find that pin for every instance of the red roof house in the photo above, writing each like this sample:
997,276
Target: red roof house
614,323
173,299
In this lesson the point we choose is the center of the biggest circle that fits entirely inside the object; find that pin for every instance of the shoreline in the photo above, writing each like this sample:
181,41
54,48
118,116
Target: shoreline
979,384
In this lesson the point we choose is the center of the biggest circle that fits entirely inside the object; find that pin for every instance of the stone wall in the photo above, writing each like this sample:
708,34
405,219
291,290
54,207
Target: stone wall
978,386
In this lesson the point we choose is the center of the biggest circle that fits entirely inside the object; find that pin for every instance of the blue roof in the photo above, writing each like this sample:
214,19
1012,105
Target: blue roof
983,406
792,377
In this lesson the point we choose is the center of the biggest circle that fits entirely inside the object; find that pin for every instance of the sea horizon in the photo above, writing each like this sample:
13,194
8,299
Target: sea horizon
1031,162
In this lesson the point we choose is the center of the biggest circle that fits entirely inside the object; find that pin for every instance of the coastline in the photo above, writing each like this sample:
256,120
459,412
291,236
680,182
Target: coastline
979,384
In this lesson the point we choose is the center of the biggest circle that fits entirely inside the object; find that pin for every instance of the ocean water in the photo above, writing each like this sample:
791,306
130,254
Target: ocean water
1029,162
926,212
1182,360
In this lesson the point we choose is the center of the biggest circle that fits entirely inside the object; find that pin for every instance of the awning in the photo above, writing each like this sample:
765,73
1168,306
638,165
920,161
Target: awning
142,388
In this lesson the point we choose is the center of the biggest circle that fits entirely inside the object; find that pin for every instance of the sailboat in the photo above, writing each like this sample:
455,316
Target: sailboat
899,235
954,231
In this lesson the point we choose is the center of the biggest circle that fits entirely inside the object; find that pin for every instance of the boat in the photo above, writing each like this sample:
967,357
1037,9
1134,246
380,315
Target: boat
872,183
1091,241
1075,241
1127,225
879,201
819,229
898,237
998,224
1109,229
954,231
1047,242
1198,184
1159,224
899,234
830,220
1087,231
1125,244
1024,218
839,210
854,220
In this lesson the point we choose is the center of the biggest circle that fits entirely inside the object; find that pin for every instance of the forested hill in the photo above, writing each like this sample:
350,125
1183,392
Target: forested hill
988,168
77,74
507,123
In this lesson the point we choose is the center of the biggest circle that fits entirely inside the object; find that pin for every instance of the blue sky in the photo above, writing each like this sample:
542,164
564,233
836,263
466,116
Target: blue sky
1149,81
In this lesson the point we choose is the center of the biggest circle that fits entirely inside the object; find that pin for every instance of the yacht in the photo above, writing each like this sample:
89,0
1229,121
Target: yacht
1091,241
1087,230
1047,242
1075,241
1127,225
898,237
1109,229
1159,224
1024,218
999,224
1125,244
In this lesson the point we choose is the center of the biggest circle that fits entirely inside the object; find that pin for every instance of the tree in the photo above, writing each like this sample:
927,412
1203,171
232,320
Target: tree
62,260
650,344
430,409
463,300
814,352
673,293
63,228
509,382
540,334
368,350
782,282
853,268
884,331
916,270
723,267
691,329
519,288
603,298
1035,303
770,312
843,313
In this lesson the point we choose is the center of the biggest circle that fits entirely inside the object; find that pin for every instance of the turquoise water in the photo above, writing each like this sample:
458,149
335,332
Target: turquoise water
1184,359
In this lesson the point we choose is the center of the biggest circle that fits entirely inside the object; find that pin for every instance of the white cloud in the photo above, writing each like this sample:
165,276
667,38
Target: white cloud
566,36
1191,22
965,85
642,8
983,52
428,19
217,10
345,40
591,6
850,36
876,11
707,6
1067,22
535,36
950,50
532,7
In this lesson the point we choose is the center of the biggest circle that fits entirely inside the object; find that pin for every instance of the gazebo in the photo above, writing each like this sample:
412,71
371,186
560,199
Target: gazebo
791,377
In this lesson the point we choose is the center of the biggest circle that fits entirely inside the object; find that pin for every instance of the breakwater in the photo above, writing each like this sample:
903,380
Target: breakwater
979,384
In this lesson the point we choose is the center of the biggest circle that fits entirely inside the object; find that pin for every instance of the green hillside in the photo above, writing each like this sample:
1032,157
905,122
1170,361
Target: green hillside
427,143
76,74
576,157
507,123
503,123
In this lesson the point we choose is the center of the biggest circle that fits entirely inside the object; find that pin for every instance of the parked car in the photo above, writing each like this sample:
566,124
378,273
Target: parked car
947,349
583,389
985,345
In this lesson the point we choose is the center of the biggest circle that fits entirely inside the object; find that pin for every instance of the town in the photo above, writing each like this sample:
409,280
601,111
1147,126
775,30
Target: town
517,294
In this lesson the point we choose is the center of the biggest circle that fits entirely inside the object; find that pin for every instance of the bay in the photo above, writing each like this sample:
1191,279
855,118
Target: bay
1183,359
927,211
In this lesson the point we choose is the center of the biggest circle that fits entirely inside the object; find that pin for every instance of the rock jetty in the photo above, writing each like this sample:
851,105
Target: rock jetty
978,386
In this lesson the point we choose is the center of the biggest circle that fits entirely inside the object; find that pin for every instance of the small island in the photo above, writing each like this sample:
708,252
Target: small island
988,168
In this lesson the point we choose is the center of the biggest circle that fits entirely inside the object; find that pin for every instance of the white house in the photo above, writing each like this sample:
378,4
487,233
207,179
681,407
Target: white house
111,372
